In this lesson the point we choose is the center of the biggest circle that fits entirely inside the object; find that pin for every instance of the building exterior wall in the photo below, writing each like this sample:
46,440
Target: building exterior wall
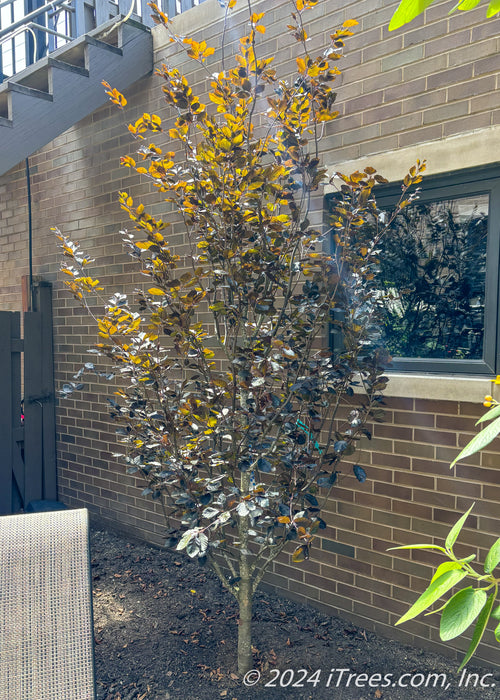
429,92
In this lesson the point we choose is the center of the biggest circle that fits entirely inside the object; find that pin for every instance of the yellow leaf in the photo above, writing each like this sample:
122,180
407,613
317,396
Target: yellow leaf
299,555
127,161
284,519
116,97
301,65
156,291
350,23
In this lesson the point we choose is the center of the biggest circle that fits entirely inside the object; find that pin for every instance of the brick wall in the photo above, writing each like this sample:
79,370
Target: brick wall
401,89
410,495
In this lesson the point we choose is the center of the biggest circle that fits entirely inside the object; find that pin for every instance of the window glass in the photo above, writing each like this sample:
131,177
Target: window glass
439,274
432,279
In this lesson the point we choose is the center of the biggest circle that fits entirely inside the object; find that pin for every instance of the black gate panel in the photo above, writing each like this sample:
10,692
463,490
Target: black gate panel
27,448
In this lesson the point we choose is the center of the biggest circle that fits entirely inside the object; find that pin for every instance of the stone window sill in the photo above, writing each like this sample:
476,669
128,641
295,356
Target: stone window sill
440,387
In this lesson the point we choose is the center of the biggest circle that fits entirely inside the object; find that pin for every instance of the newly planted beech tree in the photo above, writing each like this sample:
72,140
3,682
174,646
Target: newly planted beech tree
233,404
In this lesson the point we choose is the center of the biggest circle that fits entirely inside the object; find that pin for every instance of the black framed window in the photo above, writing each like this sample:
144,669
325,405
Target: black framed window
439,275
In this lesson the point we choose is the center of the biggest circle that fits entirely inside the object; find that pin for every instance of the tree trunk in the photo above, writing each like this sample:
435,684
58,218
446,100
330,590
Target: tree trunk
245,658
245,594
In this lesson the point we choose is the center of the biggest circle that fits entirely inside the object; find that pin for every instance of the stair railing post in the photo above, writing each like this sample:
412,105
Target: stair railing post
79,18
101,11
124,7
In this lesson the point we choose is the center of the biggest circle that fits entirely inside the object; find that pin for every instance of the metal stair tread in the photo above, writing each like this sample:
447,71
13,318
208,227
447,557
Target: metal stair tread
62,65
31,92
89,39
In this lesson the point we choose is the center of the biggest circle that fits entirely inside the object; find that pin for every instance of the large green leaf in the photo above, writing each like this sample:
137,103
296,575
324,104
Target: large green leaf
492,413
479,441
440,586
408,10
455,530
493,557
481,623
449,565
493,8
465,5
460,612
497,632
419,546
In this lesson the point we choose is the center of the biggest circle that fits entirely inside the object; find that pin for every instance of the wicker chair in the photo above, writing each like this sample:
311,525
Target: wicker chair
46,633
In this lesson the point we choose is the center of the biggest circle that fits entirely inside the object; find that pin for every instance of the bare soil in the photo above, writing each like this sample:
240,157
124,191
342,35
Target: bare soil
166,630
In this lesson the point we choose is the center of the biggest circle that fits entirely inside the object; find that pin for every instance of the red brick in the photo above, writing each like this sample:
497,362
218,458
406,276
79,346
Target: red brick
390,460
458,126
433,406
392,431
393,491
413,479
414,418
435,437
413,509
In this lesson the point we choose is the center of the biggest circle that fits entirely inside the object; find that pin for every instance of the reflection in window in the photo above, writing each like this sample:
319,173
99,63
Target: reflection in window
432,279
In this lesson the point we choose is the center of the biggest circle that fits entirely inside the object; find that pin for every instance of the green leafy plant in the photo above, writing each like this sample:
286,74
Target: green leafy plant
409,9
488,433
469,604
231,405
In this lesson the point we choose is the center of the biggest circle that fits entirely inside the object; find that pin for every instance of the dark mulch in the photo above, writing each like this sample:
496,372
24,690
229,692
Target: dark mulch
165,630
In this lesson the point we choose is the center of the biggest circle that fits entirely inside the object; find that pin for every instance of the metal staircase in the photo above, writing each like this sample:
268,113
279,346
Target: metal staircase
49,96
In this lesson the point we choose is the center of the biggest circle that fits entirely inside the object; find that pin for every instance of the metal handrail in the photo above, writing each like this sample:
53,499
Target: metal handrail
47,30
59,21
18,31
31,15
80,16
